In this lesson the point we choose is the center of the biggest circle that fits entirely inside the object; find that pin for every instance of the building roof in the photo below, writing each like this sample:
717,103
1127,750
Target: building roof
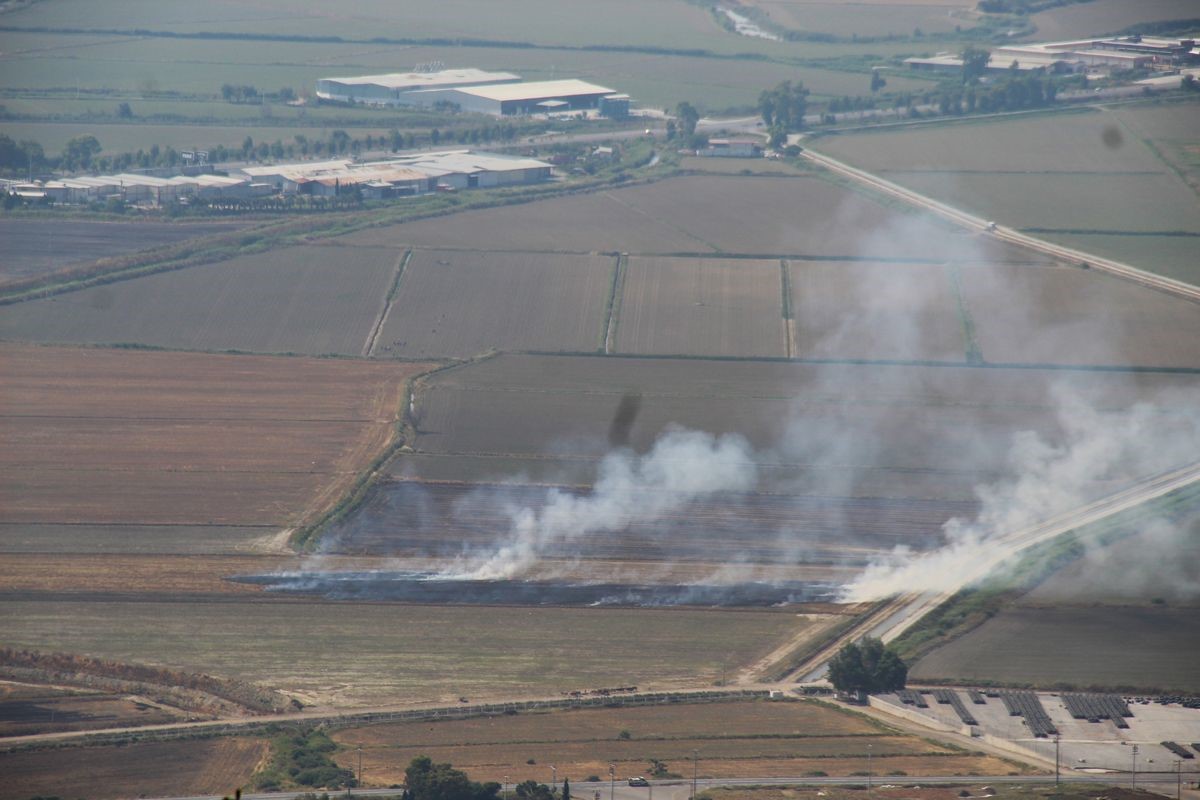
307,166
407,81
535,90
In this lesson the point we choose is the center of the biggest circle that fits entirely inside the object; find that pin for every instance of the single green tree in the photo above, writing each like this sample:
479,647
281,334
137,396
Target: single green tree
688,118
867,666
975,61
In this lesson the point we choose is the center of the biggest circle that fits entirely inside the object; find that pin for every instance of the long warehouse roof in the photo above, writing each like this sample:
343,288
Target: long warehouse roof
427,80
535,90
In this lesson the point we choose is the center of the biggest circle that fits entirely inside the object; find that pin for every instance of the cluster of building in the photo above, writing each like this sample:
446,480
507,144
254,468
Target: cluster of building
475,90
1083,55
402,176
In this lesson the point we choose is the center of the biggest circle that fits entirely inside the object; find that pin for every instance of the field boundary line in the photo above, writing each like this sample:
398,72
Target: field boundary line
615,296
785,293
385,310
974,354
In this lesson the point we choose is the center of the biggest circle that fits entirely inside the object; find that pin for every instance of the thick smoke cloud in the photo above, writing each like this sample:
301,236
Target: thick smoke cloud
1046,480
681,466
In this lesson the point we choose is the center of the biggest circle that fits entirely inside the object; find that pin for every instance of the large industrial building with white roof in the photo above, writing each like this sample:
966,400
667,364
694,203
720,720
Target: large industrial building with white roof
475,90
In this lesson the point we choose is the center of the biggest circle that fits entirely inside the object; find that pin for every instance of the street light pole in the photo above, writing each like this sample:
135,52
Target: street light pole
868,770
505,793
553,779
1133,781
359,781
695,767
612,780
1178,779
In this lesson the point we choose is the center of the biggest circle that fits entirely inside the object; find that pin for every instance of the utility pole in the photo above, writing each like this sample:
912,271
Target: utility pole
505,793
553,780
612,780
359,781
1057,739
1178,779
695,767
868,770
1133,782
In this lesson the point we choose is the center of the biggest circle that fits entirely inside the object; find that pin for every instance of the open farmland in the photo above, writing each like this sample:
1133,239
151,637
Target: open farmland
309,300
877,312
135,438
1073,316
754,215
745,739
206,766
461,304
26,709
702,306
883,18
405,654
1079,646
1106,16
36,246
1171,255
1067,180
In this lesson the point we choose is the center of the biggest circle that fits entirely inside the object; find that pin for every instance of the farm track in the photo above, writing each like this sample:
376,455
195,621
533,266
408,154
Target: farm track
980,225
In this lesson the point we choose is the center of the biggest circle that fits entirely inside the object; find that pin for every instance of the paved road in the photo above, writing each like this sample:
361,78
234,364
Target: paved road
682,789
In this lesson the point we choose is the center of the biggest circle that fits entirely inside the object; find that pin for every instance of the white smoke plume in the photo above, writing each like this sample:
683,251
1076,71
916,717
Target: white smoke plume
681,466
1109,447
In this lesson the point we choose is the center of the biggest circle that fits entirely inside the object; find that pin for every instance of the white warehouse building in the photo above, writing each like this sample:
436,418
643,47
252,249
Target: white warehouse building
399,88
534,97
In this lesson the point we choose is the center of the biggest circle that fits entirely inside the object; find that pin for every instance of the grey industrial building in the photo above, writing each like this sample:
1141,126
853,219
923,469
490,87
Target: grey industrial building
402,88
536,97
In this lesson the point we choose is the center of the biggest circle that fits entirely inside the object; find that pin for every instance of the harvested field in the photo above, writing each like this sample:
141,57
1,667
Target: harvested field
1170,130
443,521
414,653
691,214
746,739
126,575
1073,316
309,300
1106,16
744,166
1107,646
96,539
895,418
461,304
48,711
706,306
136,438
848,310
36,246
156,769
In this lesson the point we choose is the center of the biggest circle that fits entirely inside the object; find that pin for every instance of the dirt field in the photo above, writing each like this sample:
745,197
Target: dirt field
207,766
1073,316
298,300
414,653
743,739
676,306
854,310
691,214
51,712
36,246
461,304
117,436
1083,646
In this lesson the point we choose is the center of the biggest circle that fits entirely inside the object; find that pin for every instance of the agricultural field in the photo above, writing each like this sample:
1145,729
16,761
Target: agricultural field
701,306
750,215
405,654
127,438
876,312
883,18
1079,646
156,769
1115,177
1106,16
311,300
732,738
461,304
37,246
1070,316
26,709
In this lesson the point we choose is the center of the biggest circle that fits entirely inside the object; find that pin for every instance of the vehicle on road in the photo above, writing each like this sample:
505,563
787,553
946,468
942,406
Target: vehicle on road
638,782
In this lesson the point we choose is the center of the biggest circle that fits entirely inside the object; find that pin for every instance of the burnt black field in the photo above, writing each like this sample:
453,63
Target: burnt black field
428,588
